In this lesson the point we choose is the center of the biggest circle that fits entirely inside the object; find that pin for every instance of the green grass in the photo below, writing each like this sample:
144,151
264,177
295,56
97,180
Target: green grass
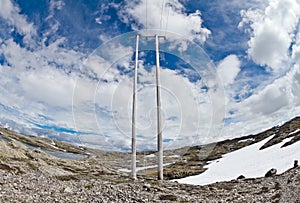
31,166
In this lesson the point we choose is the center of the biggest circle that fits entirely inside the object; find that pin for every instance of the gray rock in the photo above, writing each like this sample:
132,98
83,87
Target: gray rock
295,163
271,172
147,187
240,177
68,190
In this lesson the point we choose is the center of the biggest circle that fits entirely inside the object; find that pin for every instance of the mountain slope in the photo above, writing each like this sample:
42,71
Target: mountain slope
250,161
33,169
196,158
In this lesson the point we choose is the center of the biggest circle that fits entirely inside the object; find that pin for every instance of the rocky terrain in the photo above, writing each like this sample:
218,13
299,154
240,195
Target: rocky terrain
193,159
34,186
36,169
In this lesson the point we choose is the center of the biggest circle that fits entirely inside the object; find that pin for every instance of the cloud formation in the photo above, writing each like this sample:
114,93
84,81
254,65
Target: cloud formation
272,32
274,43
45,85
268,106
228,69
164,16
36,79
10,12
32,82
105,106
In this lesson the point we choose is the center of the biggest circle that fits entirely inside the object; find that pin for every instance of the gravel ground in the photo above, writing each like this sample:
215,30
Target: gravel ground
34,176
35,186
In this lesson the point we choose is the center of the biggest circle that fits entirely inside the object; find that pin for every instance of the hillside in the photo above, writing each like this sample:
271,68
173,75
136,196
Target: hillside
192,162
38,169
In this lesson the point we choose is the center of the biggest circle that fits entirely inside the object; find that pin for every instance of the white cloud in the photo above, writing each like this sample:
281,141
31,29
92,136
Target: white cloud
42,81
270,100
191,115
38,82
106,107
56,4
55,90
47,56
11,13
274,104
228,69
296,48
48,81
170,17
274,42
272,32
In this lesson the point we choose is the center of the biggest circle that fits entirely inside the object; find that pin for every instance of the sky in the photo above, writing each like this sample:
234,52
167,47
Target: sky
228,69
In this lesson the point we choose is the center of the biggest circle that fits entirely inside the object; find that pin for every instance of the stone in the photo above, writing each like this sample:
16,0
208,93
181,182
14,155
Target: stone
241,177
169,197
147,187
295,164
68,190
271,172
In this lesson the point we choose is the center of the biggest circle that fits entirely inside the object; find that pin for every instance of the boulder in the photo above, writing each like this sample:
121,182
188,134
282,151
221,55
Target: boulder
271,172
296,164
169,197
240,177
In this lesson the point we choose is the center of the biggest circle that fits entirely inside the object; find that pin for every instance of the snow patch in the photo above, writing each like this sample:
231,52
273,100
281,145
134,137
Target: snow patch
248,161
173,156
142,168
250,139
150,156
294,132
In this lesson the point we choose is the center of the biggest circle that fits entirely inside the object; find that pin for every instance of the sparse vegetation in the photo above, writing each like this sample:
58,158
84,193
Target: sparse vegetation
31,165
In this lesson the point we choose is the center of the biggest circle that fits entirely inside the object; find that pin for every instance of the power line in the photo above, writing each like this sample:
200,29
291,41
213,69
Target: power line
161,15
146,17
167,20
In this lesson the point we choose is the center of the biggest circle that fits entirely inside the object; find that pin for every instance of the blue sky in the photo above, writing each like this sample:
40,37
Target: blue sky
229,68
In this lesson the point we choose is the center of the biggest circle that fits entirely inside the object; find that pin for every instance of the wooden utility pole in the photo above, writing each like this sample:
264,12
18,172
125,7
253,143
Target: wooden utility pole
133,143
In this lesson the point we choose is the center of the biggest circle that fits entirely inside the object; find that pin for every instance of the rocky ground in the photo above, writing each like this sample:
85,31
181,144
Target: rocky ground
30,173
34,186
